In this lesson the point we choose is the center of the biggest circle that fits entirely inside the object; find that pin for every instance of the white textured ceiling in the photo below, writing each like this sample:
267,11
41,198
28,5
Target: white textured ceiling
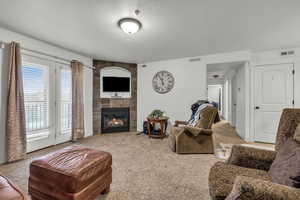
171,28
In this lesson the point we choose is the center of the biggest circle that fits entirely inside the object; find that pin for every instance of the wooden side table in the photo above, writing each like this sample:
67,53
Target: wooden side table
163,121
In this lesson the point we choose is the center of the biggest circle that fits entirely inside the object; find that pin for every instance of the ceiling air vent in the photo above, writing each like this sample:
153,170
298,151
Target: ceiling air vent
287,53
195,59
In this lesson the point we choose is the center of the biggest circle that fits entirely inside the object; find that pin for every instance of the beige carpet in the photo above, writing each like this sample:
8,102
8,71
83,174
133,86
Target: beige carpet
224,133
143,168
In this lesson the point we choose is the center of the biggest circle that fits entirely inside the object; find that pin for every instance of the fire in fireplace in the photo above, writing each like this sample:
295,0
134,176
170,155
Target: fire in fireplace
115,120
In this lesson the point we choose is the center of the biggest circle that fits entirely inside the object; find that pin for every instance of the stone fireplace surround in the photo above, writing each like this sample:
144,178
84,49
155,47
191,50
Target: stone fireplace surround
99,103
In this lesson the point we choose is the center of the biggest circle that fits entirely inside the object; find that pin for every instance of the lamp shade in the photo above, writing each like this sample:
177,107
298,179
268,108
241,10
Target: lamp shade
130,25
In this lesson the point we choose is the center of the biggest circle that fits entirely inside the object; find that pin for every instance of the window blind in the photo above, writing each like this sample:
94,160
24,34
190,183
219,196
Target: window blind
36,97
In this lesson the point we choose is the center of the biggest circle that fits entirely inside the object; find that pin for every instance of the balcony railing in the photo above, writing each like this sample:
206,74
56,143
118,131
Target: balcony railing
37,116
66,115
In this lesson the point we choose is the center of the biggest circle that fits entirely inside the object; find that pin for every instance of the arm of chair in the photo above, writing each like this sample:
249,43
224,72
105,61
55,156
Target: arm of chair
177,123
8,190
197,131
251,157
254,189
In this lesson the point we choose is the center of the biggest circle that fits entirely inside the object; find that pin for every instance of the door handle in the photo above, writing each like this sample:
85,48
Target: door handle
257,107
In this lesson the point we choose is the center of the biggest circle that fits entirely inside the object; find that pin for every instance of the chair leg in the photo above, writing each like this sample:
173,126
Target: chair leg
106,190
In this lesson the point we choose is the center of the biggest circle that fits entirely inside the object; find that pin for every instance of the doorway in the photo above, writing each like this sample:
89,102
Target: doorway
231,77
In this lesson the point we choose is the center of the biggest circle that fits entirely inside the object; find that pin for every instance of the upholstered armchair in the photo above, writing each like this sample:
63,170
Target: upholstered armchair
198,139
245,174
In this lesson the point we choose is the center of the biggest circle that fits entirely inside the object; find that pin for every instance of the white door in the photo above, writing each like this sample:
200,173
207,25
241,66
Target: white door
63,103
273,92
48,103
39,97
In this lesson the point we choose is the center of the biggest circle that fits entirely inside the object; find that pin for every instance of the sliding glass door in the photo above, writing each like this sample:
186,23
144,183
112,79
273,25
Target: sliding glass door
47,95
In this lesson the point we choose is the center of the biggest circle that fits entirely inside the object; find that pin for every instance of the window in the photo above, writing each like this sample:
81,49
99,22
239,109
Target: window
48,102
36,97
66,99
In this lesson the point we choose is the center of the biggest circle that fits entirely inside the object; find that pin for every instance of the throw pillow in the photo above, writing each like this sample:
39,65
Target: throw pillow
297,133
285,169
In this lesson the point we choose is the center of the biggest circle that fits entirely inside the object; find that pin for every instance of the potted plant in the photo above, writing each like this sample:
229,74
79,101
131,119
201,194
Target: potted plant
156,114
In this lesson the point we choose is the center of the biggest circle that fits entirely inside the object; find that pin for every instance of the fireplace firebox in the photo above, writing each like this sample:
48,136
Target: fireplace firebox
115,120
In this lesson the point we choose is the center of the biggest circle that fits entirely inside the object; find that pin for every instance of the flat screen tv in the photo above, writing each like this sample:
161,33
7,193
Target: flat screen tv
116,84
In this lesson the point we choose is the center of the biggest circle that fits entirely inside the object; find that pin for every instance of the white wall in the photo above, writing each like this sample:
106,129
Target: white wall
215,93
240,101
228,95
236,94
8,36
88,101
226,109
211,81
233,102
190,86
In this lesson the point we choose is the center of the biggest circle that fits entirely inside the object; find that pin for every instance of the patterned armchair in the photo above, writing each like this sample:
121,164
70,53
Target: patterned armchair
198,139
245,174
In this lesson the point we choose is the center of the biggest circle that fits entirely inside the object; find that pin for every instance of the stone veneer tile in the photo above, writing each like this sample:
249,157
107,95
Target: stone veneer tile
99,103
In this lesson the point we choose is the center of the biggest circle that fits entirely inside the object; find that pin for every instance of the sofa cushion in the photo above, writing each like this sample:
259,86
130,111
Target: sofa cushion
297,133
222,177
285,169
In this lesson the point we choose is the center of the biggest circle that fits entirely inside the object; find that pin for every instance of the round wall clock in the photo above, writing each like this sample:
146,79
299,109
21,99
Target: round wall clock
163,82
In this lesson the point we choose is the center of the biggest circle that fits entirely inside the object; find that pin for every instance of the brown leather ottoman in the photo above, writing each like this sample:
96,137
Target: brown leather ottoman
8,191
72,173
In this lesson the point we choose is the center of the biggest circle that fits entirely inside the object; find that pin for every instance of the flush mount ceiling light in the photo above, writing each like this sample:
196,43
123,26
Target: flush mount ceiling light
130,25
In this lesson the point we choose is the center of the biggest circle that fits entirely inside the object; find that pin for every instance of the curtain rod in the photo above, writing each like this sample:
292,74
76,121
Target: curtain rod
46,54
